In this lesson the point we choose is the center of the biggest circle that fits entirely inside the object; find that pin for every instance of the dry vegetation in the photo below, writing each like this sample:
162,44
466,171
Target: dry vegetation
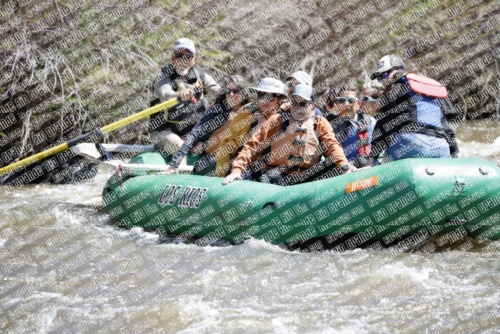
71,66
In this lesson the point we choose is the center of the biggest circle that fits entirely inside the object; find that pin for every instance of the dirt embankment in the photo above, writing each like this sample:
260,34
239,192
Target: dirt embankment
71,66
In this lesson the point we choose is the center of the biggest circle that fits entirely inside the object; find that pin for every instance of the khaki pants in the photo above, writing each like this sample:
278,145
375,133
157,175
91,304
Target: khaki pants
169,141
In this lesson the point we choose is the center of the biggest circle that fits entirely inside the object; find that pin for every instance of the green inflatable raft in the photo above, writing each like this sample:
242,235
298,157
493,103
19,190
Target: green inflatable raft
403,202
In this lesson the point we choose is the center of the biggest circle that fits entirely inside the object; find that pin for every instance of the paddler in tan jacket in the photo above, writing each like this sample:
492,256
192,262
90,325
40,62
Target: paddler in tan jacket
288,151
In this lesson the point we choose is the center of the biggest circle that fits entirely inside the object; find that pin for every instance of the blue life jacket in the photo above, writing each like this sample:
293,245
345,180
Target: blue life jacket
355,137
428,109
414,105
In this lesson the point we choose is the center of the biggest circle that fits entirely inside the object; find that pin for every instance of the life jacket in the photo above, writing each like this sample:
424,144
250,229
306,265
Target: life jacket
428,95
295,147
225,142
195,79
355,137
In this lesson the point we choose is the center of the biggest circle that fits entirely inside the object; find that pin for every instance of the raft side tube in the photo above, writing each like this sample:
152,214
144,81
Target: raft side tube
404,201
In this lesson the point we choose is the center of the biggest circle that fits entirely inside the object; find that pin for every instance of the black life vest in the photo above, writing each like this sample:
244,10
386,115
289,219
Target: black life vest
184,109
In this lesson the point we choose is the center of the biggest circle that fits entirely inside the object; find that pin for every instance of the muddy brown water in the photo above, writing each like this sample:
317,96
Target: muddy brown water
65,269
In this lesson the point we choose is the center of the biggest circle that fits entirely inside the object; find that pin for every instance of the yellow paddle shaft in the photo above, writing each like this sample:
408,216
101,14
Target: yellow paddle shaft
135,117
34,158
107,129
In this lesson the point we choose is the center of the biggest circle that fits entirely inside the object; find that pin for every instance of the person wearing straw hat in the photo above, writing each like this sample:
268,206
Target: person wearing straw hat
286,148
183,80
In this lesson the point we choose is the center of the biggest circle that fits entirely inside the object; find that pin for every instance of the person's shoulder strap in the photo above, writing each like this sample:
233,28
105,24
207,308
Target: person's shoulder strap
317,119
285,123
256,115
200,74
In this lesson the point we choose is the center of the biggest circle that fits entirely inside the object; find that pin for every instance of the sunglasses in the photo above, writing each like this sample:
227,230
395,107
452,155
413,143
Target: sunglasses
344,100
383,75
368,99
229,91
185,56
302,104
267,96
291,83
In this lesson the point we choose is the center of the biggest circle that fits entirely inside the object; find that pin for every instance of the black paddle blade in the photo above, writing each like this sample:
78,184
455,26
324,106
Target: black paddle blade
105,155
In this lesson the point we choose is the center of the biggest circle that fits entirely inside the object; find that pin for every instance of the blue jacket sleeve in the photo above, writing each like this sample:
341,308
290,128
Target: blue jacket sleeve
194,137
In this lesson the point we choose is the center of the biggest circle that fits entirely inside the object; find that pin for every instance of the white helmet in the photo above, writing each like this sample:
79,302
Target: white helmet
271,85
387,63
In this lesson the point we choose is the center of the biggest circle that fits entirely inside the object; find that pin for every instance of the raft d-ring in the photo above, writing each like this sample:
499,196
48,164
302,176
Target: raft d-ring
119,175
484,170
269,204
430,170
459,187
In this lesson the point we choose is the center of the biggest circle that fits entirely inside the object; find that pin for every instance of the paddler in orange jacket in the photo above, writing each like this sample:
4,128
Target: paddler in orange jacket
289,150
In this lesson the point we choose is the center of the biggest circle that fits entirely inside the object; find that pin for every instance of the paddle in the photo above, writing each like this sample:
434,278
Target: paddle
105,129
90,150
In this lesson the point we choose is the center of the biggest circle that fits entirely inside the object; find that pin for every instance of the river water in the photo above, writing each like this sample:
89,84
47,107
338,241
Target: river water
66,269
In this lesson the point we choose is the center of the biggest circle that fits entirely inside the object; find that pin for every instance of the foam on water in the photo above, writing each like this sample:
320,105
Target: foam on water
127,280
474,140
194,307
2,242
477,149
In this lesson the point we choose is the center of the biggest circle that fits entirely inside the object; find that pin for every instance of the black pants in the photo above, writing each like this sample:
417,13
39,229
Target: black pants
207,165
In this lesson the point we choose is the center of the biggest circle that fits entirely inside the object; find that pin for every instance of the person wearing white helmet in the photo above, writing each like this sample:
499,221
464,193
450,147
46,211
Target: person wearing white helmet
270,93
285,148
411,123
183,80
294,79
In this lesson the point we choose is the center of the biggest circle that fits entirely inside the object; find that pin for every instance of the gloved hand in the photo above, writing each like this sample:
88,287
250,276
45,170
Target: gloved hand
185,94
231,177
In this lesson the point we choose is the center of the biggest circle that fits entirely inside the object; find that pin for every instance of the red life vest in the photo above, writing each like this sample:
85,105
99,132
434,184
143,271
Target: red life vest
426,86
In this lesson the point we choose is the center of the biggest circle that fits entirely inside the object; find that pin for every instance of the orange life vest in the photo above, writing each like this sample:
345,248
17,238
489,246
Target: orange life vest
296,146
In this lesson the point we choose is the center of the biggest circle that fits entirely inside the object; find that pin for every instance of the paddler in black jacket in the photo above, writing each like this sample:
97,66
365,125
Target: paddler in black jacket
410,121
223,129
189,84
